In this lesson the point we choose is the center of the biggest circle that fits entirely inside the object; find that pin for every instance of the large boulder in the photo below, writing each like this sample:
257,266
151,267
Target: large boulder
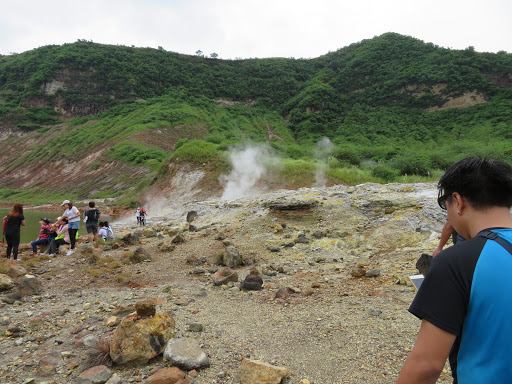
139,340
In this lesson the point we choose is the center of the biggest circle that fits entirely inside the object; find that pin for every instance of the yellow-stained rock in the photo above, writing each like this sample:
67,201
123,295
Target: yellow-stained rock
139,340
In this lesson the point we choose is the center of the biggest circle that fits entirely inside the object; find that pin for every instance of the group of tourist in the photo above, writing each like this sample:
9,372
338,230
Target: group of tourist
63,232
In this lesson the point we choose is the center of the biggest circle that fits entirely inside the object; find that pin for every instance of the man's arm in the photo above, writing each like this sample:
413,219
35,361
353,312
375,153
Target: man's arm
426,360
445,236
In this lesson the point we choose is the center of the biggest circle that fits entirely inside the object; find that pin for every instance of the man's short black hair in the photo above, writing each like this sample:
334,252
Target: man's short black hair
484,183
91,204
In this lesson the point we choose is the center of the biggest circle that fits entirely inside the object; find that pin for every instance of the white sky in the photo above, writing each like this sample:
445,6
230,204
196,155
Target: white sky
253,28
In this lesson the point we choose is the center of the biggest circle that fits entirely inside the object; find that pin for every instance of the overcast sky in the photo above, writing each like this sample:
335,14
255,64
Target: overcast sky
254,28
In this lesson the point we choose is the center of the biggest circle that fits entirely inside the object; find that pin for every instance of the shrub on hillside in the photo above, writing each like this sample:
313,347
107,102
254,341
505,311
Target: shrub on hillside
180,142
412,164
384,172
349,155
195,151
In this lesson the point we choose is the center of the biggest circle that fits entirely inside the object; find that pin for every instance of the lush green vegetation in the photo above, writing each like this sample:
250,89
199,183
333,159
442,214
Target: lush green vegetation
377,101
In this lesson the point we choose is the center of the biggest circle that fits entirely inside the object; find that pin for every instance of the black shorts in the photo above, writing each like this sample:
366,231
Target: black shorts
91,227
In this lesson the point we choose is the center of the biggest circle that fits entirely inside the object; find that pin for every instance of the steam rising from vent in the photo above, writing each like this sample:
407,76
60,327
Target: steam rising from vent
323,149
249,165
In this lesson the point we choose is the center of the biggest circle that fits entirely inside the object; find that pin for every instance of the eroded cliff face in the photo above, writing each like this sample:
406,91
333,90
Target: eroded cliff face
75,93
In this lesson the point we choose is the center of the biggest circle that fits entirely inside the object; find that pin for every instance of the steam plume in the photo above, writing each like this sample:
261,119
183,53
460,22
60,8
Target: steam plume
250,164
323,149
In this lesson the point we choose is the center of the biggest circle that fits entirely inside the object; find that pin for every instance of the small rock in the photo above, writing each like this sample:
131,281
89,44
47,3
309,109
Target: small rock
273,248
231,257
186,353
284,293
423,263
179,239
257,371
170,375
373,273
252,282
195,327
223,276
95,375
6,283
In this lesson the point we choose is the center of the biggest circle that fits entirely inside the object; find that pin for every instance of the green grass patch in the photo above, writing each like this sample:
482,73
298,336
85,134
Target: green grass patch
196,151
139,154
352,176
298,172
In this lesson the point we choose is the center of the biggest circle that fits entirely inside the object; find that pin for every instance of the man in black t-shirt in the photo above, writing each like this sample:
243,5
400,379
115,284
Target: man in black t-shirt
464,301
91,225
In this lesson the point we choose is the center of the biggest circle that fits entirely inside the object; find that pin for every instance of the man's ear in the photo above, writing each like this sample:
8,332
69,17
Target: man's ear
460,202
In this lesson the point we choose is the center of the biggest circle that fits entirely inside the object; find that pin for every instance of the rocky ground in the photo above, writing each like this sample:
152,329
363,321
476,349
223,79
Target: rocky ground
333,308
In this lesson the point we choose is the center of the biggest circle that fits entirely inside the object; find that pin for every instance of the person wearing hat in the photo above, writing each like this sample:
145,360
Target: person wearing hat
73,215
44,233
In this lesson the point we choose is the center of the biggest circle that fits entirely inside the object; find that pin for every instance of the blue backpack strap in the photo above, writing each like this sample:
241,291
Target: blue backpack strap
494,236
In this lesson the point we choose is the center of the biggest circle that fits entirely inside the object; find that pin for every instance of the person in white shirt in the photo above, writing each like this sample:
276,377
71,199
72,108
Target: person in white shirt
73,215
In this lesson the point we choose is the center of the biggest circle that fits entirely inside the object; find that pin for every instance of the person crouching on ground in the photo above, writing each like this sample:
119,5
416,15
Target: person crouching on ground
62,236
464,301
105,233
73,215
91,222
44,232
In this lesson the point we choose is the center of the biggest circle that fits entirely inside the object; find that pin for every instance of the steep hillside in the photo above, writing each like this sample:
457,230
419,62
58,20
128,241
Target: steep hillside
87,120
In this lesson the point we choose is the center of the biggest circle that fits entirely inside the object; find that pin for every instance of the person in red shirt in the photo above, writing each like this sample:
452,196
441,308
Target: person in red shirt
44,232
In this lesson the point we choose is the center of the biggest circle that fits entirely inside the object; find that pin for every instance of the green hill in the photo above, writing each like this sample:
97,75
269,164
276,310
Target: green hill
88,120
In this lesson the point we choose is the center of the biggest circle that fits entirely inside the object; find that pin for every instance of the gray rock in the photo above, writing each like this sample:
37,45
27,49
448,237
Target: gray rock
231,257
319,234
179,239
29,285
195,327
302,239
186,353
140,255
191,216
373,273
90,341
6,283
95,375
114,379
423,263
273,248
